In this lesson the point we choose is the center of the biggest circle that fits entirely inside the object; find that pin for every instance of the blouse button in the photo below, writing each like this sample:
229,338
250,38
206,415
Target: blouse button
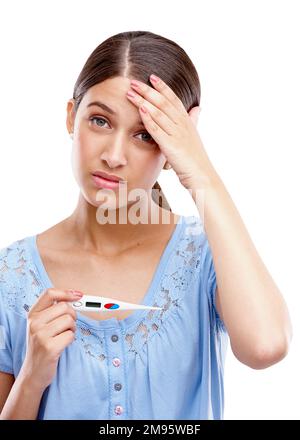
116,362
118,386
118,409
114,338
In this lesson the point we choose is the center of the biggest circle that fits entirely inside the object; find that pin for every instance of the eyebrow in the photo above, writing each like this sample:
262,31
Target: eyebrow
103,106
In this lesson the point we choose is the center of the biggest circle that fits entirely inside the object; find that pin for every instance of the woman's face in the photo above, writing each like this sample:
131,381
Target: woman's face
116,143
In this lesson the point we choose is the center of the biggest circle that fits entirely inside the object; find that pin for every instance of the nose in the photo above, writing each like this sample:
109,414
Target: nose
114,153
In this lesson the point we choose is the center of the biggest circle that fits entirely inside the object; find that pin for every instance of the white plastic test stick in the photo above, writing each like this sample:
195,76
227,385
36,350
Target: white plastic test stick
91,303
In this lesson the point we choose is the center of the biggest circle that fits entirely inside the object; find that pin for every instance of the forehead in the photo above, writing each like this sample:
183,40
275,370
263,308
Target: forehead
112,92
119,82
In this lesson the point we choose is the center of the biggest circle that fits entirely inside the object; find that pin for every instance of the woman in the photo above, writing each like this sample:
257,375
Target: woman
210,283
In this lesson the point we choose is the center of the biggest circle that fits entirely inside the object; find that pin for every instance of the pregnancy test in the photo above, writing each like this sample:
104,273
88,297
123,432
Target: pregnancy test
103,304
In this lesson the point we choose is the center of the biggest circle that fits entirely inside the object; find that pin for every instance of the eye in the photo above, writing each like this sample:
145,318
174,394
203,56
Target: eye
97,118
147,134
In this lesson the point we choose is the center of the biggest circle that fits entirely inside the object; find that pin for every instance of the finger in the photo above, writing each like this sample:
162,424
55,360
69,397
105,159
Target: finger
51,295
152,127
161,96
166,91
58,325
157,115
61,341
47,315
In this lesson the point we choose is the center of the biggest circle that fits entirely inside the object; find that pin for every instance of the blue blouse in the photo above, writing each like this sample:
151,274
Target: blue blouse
157,364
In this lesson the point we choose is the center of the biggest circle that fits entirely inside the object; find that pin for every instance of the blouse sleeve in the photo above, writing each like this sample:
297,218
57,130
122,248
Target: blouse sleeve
6,361
210,283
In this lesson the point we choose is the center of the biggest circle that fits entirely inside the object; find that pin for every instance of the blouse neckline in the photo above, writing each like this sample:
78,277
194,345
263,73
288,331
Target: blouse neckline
113,323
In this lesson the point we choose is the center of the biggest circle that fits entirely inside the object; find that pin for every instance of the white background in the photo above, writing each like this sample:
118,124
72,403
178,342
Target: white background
247,57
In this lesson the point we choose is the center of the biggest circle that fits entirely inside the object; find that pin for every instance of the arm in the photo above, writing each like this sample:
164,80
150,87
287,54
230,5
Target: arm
247,299
21,398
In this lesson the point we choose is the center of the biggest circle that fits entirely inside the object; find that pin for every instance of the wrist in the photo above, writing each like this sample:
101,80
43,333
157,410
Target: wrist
28,383
203,181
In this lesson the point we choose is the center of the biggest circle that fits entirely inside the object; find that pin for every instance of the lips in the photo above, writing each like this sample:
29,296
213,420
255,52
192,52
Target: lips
100,182
109,177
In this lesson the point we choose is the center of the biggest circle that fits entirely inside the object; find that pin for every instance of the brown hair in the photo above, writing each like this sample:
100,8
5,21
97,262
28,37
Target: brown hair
137,54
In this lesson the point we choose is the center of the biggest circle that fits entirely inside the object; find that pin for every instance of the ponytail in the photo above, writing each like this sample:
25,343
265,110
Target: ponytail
159,197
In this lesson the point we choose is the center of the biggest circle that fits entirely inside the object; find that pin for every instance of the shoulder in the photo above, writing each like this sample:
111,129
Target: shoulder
18,276
11,258
194,250
193,233
191,248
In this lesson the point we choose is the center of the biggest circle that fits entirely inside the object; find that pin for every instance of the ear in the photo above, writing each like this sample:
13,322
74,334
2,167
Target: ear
194,114
70,115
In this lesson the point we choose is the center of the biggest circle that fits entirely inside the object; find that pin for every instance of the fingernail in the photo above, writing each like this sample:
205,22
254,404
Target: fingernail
134,83
131,94
75,292
154,78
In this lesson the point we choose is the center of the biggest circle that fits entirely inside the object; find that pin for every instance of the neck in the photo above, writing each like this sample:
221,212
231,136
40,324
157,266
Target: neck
116,235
